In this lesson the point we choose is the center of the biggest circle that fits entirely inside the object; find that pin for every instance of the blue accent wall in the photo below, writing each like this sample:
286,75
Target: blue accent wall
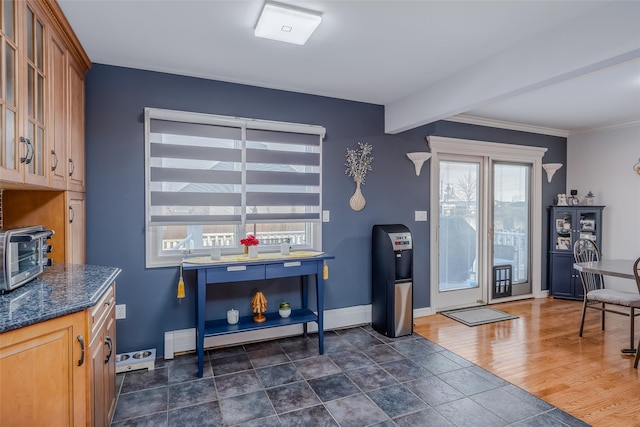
115,101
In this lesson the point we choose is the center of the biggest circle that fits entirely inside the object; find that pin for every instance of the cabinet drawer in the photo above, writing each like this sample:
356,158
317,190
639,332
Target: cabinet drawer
291,268
100,311
235,273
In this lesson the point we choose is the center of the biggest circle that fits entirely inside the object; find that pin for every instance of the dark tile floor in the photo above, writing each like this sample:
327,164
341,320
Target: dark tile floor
363,379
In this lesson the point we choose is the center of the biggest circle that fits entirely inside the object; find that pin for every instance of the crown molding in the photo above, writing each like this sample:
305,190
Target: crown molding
473,120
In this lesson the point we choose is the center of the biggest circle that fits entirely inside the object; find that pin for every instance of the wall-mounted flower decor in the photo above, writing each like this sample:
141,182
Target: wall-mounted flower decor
358,164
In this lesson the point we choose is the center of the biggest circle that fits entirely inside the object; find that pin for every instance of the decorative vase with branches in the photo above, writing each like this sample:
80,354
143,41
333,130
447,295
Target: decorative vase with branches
358,164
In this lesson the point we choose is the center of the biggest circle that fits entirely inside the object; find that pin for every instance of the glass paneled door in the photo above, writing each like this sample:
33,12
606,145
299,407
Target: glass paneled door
511,229
460,275
483,230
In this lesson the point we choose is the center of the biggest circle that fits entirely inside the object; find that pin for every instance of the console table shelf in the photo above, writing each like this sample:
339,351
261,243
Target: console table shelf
268,266
246,323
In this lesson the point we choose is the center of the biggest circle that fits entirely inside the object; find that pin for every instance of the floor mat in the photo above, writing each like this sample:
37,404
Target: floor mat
478,315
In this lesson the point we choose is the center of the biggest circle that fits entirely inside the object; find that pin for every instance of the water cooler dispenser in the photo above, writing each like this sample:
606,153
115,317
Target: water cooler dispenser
392,280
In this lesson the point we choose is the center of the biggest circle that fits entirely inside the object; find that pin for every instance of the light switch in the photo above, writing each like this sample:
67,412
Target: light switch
421,215
325,216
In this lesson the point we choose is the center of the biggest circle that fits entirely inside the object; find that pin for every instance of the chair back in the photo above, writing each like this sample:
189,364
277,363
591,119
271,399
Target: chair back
636,273
586,250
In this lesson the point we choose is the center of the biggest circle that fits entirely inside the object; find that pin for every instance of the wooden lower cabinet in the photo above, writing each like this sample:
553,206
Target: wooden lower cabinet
43,373
62,371
102,350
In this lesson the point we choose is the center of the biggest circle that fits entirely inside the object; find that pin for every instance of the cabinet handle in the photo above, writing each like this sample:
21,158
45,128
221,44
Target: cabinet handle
108,342
72,167
72,214
29,154
81,340
55,158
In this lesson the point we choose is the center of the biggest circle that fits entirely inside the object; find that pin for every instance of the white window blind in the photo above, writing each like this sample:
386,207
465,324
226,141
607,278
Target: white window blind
205,169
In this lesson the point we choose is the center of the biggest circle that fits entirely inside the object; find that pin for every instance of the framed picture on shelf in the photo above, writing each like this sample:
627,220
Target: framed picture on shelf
588,235
563,243
587,225
559,224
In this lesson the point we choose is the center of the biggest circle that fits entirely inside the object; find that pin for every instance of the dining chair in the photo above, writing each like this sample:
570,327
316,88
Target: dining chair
636,273
596,296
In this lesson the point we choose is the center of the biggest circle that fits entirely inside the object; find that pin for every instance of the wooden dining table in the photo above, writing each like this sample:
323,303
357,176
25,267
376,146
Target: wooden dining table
622,268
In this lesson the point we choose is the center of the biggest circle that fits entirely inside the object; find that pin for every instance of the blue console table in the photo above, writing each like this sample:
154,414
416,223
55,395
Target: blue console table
266,266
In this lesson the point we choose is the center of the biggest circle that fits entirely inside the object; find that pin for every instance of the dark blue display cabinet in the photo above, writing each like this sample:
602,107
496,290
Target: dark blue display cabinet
567,224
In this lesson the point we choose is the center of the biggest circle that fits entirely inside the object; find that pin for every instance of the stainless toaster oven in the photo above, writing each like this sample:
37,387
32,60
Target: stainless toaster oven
23,255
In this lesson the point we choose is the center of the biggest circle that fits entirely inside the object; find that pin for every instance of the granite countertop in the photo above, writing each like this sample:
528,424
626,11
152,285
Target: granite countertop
62,289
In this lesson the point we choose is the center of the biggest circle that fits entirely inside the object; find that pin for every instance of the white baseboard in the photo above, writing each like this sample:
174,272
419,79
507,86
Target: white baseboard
184,340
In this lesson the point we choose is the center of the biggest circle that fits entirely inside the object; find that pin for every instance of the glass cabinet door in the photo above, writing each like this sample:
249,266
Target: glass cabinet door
9,150
35,95
563,224
587,227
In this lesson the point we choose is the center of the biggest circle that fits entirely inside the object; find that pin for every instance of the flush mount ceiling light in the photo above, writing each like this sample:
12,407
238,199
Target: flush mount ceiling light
287,23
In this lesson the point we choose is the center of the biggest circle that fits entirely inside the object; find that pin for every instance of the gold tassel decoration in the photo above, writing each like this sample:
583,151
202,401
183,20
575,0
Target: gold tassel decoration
180,286
325,271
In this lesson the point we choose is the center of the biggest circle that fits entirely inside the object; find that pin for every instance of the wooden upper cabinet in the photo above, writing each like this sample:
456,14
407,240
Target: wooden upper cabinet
11,167
76,127
41,97
33,126
58,123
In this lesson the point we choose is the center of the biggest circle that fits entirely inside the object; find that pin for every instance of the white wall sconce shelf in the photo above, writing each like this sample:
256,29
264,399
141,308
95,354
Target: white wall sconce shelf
551,169
418,159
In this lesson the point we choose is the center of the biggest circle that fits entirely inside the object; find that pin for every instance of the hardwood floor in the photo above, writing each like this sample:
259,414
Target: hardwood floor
542,353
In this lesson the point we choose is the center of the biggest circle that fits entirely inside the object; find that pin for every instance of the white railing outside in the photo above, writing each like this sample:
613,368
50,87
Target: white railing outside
518,242
227,239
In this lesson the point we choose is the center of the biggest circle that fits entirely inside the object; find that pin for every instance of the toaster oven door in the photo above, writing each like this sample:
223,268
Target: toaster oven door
24,257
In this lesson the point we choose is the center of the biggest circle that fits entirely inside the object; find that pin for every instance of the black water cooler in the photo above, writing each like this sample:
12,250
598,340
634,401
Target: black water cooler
392,280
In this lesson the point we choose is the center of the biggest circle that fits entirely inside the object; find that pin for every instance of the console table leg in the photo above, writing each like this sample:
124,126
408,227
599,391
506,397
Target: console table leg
304,292
201,299
320,299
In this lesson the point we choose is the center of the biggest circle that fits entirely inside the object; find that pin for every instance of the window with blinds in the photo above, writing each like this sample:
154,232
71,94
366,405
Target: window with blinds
211,180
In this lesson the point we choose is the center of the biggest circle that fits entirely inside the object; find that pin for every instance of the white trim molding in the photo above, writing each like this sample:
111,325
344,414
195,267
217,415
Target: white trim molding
184,340
490,151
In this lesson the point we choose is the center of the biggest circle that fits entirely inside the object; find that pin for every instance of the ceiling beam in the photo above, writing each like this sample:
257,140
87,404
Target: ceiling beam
601,38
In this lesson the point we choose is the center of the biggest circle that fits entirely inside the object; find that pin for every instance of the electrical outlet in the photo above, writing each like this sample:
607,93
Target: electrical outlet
325,216
121,311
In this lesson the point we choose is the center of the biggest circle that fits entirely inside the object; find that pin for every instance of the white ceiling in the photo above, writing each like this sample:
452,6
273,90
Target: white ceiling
549,66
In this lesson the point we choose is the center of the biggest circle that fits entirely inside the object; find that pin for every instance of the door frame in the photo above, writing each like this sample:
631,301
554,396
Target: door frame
498,152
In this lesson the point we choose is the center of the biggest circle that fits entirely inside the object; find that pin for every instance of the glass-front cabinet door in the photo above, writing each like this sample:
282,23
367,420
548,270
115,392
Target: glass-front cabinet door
35,117
562,230
23,154
570,224
10,166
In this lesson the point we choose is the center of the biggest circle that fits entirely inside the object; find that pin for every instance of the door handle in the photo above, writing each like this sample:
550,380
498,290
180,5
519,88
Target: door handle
108,342
55,158
29,154
81,340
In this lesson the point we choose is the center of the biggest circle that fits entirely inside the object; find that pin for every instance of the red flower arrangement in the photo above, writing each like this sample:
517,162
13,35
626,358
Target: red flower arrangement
250,240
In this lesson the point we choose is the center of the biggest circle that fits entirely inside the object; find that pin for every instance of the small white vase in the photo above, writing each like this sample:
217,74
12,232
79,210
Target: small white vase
357,201
285,312
253,252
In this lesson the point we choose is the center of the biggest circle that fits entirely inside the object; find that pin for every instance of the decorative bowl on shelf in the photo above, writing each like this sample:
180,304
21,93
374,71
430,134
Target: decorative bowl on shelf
285,309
